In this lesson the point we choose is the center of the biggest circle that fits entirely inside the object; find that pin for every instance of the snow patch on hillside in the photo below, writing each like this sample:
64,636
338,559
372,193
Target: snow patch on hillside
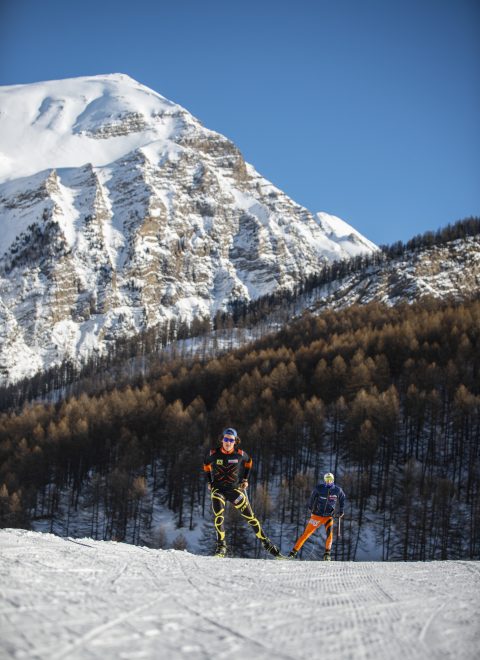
344,234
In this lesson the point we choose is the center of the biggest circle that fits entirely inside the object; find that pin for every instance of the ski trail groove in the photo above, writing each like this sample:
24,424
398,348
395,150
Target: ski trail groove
181,605
85,545
471,567
428,623
98,630
222,626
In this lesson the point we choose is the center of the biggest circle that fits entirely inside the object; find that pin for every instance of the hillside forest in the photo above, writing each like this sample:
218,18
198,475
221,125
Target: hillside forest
385,397
241,321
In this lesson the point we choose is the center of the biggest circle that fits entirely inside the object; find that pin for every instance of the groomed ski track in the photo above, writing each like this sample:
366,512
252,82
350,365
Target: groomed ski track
84,599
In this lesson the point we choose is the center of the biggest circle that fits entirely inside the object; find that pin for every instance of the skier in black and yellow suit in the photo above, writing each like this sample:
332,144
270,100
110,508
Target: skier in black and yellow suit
227,468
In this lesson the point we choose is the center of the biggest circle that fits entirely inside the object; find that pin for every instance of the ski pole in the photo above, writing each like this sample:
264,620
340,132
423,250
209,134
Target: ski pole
339,534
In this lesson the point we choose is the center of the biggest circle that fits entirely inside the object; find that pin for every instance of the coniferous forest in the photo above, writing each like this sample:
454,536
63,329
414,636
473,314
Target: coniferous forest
386,398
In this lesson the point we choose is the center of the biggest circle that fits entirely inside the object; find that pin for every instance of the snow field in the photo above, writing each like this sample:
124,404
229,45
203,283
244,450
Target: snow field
79,598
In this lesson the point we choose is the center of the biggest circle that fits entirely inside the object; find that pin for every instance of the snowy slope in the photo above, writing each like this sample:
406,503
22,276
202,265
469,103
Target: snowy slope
78,598
120,211
340,231
53,124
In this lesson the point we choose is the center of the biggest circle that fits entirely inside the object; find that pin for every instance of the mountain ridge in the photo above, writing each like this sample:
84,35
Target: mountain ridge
119,210
443,266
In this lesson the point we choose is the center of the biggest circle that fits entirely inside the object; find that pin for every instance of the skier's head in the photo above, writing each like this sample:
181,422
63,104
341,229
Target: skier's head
229,438
328,479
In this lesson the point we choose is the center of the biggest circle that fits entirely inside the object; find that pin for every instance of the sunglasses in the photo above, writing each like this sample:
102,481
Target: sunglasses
227,439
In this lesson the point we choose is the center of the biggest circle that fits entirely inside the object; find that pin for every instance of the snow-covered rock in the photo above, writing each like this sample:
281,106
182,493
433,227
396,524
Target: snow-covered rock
449,271
78,598
119,211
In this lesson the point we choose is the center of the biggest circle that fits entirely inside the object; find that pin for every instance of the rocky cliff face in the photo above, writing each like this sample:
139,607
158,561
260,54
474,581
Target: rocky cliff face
119,210
449,272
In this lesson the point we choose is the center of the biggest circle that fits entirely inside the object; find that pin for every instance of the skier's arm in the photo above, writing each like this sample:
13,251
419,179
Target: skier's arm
207,468
247,466
312,500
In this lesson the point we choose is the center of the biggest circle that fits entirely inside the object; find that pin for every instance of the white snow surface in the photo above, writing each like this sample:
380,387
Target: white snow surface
57,123
79,598
349,238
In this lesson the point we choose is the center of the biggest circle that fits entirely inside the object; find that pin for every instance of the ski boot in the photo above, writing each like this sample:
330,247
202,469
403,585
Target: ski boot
220,550
272,548
326,556
293,554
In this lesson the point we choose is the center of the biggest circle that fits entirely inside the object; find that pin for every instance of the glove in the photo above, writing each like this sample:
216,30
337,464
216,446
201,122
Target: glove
209,486
243,485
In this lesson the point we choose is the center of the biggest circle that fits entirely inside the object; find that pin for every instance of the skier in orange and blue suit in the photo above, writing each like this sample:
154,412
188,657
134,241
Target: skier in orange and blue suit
321,504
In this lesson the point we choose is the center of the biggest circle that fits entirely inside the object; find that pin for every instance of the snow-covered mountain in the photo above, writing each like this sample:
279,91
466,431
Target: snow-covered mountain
119,210
79,598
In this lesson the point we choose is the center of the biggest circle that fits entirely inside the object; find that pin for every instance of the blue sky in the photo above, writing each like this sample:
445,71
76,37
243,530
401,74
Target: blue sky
366,109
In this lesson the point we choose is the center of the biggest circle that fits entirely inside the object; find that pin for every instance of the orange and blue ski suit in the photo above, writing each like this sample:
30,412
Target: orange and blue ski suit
322,504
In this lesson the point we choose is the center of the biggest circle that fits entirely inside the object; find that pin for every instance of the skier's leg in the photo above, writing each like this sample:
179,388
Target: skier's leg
242,504
218,506
329,539
312,525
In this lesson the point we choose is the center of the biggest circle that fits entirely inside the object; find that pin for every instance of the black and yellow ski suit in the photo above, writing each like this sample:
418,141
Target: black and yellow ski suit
225,472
